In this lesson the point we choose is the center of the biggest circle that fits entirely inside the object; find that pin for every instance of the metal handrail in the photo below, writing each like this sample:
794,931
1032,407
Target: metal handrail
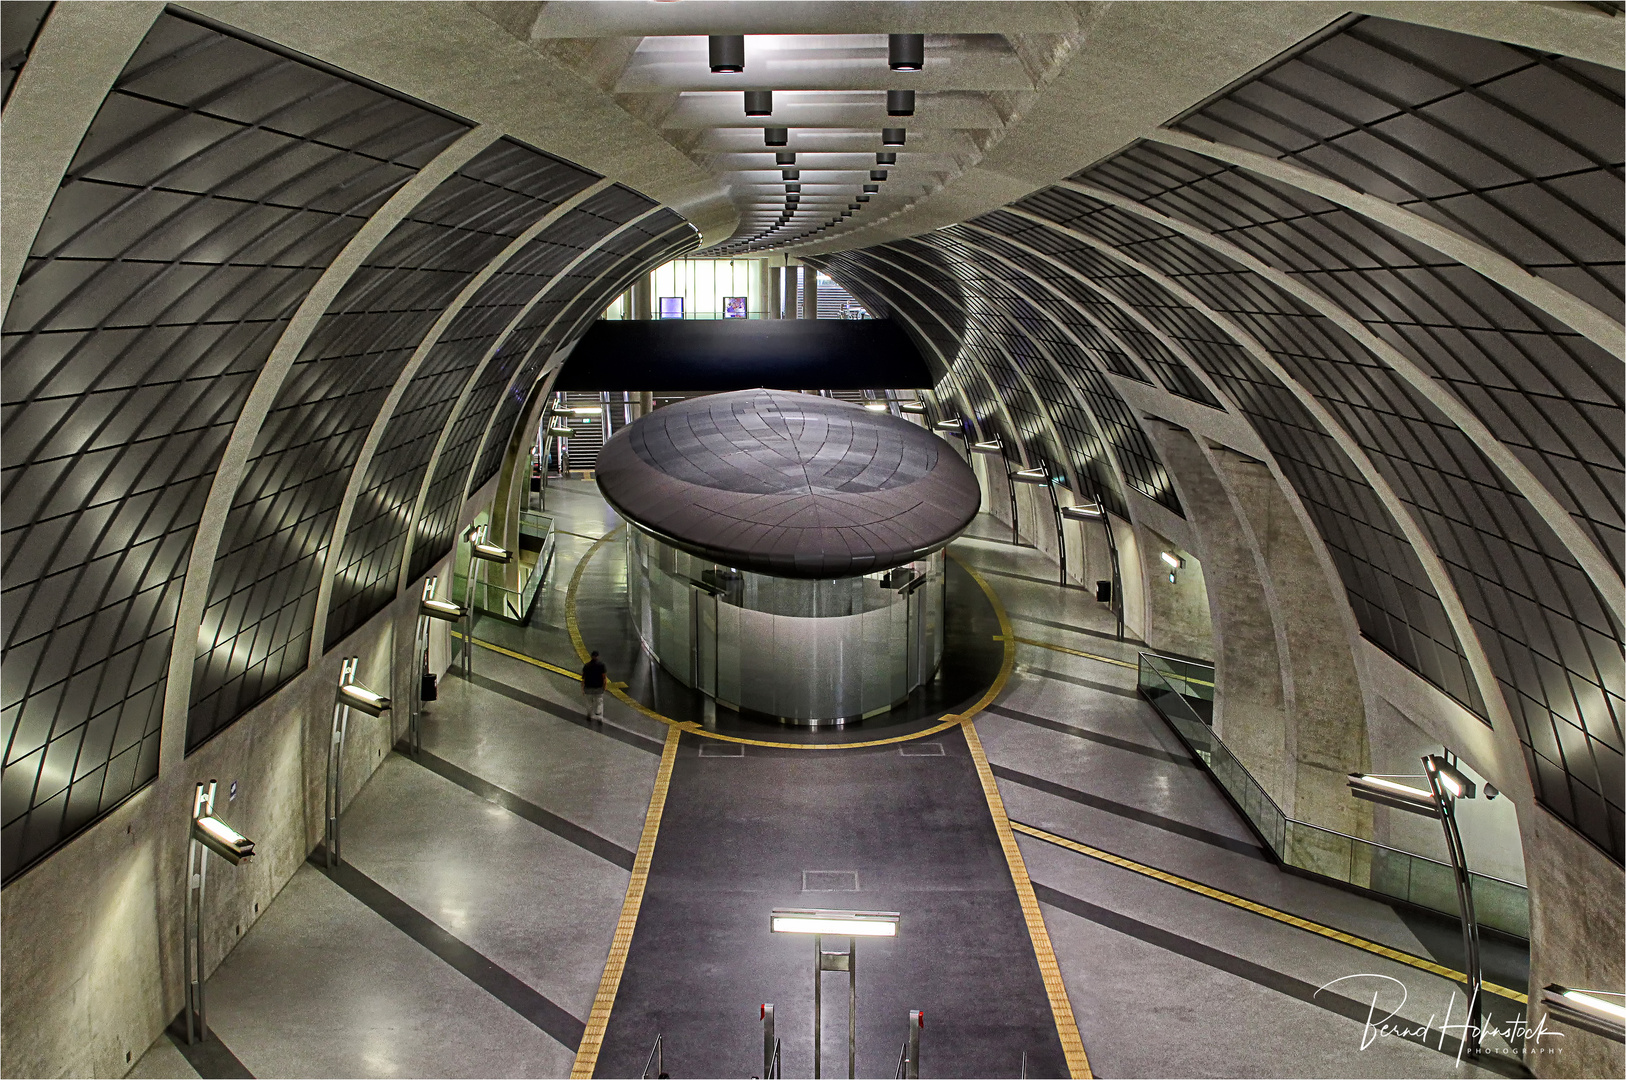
657,1058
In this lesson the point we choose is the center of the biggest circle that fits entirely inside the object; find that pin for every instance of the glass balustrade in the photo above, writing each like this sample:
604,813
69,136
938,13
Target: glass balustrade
1183,694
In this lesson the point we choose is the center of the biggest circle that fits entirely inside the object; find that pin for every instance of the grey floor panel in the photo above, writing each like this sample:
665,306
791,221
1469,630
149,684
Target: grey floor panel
323,986
541,907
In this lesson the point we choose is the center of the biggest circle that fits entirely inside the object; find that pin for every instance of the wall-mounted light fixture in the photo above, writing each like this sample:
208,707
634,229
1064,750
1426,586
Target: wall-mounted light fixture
1174,562
1082,511
759,103
208,833
914,407
727,53
1446,785
904,52
952,424
483,552
348,695
559,431
429,609
900,103
1587,1009
876,406
892,136
991,446
775,136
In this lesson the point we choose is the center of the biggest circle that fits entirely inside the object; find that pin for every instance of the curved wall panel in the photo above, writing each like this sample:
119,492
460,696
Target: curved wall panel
1515,151
216,183
20,22
256,627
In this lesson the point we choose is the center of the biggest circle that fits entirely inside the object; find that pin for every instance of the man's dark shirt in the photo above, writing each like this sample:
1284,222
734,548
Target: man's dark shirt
593,675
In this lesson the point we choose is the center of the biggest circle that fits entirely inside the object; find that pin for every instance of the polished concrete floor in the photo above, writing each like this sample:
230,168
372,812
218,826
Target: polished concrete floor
468,931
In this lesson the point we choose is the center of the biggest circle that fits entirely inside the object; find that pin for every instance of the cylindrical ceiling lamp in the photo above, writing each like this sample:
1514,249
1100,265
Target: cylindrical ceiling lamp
792,188
877,174
785,157
900,103
791,174
727,53
863,198
775,136
870,189
886,157
793,199
904,52
891,136
759,103
852,206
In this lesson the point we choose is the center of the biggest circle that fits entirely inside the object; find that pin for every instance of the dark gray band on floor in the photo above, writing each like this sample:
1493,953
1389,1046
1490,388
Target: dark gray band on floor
1102,634
1183,760
472,965
1258,974
565,713
211,1059
1025,577
1133,813
1060,676
514,804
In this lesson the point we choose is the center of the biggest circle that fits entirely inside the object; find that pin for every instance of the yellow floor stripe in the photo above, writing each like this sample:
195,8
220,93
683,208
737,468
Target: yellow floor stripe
1078,1062
599,1018
1070,652
1061,1007
1319,929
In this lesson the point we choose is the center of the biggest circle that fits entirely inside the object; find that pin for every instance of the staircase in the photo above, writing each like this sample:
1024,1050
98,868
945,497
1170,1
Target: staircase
587,433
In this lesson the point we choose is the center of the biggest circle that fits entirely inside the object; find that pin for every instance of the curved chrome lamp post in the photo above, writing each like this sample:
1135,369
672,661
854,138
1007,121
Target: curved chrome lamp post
209,833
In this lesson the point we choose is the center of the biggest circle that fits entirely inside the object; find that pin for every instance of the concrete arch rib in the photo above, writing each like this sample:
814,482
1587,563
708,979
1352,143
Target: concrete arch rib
1038,399
1502,730
462,399
80,53
925,339
1588,321
1592,561
358,472
1079,401
206,541
1179,351
542,338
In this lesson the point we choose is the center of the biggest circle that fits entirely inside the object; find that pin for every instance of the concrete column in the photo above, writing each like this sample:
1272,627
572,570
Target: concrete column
1326,735
646,402
791,273
640,308
1177,614
774,292
810,293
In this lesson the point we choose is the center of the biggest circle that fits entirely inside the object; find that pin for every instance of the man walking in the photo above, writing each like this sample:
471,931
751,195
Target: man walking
593,673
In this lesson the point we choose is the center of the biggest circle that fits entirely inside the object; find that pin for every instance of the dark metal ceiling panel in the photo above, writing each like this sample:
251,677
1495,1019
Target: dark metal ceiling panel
580,230
257,625
1518,149
605,273
215,184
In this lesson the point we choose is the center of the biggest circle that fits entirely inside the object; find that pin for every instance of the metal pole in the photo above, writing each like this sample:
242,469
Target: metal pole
767,1041
818,999
917,1020
852,1008
468,600
1465,900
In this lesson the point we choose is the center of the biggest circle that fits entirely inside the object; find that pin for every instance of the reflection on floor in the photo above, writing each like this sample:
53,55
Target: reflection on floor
468,933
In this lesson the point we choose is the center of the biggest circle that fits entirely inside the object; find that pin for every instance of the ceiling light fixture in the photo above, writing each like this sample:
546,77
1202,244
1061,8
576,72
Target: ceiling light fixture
775,136
727,53
871,189
759,103
900,103
791,189
863,198
904,52
785,157
791,174
891,136
877,174
886,157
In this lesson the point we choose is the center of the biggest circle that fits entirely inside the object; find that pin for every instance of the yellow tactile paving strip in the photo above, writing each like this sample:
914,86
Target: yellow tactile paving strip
1307,925
599,1018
